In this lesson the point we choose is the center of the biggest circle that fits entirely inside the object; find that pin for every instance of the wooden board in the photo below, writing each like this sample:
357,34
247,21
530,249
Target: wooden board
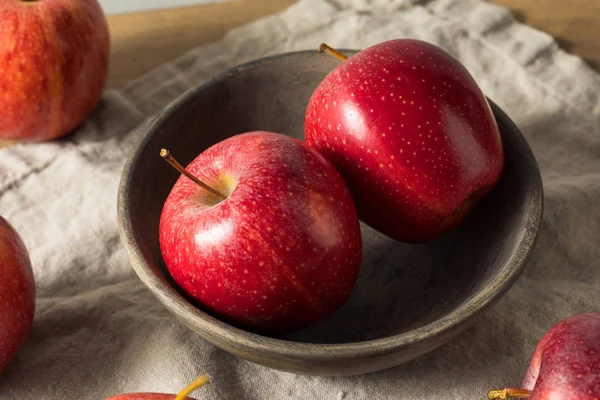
574,23
142,41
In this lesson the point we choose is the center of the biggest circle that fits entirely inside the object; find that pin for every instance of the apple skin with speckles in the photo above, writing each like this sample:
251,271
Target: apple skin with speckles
53,66
281,252
146,396
411,133
566,361
17,293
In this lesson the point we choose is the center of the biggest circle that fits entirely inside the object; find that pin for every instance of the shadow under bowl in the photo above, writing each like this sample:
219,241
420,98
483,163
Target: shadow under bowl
409,299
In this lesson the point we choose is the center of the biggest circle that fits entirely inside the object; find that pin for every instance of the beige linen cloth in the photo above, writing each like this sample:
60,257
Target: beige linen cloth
99,332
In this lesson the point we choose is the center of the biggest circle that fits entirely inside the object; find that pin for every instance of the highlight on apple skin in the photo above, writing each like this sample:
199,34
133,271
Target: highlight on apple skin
411,133
53,66
281,251
17,293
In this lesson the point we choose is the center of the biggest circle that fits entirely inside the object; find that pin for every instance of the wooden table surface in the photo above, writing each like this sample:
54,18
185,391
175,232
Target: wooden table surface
142,41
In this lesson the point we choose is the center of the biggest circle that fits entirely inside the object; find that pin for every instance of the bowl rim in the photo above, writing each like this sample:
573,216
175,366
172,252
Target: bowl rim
224,335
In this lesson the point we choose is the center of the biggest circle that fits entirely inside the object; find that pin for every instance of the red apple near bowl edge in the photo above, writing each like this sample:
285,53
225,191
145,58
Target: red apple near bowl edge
411,133
565,364
53,66
281,251
17,293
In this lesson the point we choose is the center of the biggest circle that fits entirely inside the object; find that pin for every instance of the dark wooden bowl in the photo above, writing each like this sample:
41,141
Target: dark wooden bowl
409,299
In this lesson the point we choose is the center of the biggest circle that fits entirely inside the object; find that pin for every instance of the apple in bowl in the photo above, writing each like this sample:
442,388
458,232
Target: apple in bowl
264,234
411,133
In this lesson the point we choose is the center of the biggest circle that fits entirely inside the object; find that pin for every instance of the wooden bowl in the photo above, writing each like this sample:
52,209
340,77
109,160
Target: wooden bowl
409,299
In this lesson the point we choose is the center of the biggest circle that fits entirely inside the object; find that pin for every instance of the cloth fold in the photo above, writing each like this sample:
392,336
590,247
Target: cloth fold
98,332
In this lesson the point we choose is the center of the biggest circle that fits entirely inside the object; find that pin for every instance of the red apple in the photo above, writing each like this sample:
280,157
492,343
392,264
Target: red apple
53,66
411,133
282,251
201,381
17,293
565,364
146,396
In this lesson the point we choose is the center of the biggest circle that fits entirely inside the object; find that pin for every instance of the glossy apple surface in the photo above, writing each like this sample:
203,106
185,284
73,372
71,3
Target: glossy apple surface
411,133
53,66
566,362
281,252
17,293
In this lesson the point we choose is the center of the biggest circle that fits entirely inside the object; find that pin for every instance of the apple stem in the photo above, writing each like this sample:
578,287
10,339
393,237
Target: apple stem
201,381
323,48
166,154
508,393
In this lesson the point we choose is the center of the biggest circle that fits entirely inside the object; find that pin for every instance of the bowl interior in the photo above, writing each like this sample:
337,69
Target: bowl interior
401,287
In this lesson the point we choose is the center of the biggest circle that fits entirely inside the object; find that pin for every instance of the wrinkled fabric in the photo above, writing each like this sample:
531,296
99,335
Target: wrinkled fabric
99,332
